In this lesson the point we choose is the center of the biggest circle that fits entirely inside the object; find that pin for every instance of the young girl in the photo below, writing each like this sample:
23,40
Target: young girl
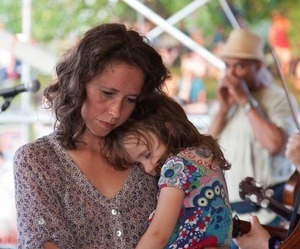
193,209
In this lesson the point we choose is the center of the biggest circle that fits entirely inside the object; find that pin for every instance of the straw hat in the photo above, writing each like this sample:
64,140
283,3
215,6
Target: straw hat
243,44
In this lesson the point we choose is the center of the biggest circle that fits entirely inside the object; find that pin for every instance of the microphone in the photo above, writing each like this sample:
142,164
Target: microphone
13,91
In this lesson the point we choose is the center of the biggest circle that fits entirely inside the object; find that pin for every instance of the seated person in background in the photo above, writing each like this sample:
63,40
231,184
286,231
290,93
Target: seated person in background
191,94
258,237
193,209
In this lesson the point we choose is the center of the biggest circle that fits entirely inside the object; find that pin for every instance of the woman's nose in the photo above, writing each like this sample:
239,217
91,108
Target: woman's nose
115,109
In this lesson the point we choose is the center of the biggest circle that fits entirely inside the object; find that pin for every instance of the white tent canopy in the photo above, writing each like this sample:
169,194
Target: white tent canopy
27,52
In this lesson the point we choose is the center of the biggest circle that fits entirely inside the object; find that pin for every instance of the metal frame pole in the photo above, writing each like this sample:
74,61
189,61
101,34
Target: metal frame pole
180,36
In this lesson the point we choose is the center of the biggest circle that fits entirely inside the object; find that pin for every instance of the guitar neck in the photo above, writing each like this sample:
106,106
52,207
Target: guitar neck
279,209
241,227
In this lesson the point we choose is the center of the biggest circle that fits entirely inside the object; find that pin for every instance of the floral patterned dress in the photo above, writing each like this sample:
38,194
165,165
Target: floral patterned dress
205,218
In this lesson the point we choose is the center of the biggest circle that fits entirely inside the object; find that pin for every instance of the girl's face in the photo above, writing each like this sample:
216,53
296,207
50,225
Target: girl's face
147,157
111,97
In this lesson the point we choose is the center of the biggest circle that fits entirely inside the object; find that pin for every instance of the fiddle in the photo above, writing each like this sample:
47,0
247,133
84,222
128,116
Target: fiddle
291,188
293,240
252,191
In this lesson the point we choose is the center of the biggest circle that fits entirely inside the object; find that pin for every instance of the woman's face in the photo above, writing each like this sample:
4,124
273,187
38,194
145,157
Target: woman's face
147,157
111,97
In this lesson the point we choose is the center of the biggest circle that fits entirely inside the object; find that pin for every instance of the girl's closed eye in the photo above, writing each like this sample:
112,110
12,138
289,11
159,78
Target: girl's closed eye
147,154
130,100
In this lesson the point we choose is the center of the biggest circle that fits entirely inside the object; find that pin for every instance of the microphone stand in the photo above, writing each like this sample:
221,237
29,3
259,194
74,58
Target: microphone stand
9,93
6,104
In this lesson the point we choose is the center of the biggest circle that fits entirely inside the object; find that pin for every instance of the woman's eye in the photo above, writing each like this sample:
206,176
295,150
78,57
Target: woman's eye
131,100
107,93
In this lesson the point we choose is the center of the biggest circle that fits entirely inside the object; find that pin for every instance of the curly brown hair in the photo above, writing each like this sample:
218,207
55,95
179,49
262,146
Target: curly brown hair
99,47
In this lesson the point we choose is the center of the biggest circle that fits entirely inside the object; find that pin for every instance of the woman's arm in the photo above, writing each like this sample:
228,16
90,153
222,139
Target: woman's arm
164,221
36,188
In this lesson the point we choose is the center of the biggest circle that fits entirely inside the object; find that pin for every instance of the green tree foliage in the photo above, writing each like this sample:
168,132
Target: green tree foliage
58,21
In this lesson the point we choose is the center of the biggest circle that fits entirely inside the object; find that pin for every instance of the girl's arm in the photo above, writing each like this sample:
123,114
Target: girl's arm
164,221
49,245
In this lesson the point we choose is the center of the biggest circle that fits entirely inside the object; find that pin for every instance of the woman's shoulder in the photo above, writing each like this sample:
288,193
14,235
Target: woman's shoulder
41,146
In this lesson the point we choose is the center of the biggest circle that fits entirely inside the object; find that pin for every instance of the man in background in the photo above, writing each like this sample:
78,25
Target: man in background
252,121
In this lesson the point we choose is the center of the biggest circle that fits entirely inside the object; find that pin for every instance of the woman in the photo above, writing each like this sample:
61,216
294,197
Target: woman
67,194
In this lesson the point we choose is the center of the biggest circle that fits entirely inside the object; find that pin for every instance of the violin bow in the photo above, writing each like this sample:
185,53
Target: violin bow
277,63
295,217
